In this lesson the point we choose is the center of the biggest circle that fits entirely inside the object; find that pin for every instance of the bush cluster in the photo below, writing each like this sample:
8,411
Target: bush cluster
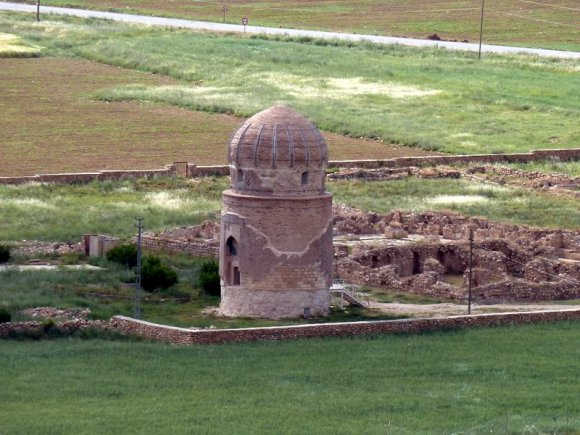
5,315
123,254
4,253
209,278
155,275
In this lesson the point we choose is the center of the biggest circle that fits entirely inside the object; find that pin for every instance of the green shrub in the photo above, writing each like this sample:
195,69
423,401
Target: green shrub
155,275
209,278
124,254
4,253
5,315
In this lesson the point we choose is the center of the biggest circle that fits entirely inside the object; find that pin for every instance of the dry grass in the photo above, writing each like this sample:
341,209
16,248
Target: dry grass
52,125
12,46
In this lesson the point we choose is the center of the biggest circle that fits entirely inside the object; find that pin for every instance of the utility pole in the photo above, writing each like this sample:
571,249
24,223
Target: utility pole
139,226
470,269
481,29
37,10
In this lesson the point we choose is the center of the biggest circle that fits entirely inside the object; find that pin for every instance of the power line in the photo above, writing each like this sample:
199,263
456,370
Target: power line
306,9
549,5
534,19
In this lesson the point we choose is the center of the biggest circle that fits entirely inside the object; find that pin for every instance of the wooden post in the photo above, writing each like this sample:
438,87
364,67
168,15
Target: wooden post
37,10
470,269
481,29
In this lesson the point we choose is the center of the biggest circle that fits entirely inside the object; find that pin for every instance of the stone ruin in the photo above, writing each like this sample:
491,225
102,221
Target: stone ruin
428,254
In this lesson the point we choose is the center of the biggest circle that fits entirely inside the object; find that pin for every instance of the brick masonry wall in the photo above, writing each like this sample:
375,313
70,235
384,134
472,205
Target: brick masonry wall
175,335
193,170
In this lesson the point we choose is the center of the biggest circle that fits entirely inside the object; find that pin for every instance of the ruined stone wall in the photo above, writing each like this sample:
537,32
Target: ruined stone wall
197,248
87,177
502,254
525,290
191,170
175,335
562,154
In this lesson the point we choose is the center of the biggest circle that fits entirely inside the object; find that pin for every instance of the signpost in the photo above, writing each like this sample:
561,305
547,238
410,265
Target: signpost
245,23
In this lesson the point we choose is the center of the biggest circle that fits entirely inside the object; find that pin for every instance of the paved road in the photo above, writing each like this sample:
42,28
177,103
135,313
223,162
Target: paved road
218,27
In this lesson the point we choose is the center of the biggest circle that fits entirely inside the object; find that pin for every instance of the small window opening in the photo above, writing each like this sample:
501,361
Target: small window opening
232,247
240,176
304,179
237,277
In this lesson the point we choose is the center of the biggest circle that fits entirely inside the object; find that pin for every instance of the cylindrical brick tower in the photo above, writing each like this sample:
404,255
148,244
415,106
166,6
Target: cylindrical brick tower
276,227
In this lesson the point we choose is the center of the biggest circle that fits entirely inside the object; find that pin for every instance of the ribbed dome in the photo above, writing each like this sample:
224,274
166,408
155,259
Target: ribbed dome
278,151
278,137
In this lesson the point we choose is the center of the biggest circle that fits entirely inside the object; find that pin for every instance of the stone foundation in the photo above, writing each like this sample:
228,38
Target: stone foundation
239,302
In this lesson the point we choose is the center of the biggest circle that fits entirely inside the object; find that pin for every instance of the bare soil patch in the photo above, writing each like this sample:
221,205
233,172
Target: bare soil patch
51,125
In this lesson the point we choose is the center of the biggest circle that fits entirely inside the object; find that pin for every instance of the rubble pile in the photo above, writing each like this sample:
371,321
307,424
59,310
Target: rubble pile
57,313
31,248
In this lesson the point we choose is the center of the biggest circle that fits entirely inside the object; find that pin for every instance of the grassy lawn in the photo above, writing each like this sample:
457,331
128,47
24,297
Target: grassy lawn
500,380
539,24
430,99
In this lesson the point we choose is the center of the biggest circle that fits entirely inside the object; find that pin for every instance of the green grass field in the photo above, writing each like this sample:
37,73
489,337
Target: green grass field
36,211
509,380
431,99
105,207
551,24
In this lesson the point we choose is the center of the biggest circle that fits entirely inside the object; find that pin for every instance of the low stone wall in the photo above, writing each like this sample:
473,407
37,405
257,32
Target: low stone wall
86,177
197,248
169,334
190,170
561,154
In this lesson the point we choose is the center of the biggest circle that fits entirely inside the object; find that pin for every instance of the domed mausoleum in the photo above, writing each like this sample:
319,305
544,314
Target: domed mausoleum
276,226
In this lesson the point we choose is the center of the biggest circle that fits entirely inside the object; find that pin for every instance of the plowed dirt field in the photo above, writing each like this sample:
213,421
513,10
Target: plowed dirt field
50,124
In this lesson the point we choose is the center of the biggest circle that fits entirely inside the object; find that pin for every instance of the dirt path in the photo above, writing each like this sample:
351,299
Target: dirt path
450,309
